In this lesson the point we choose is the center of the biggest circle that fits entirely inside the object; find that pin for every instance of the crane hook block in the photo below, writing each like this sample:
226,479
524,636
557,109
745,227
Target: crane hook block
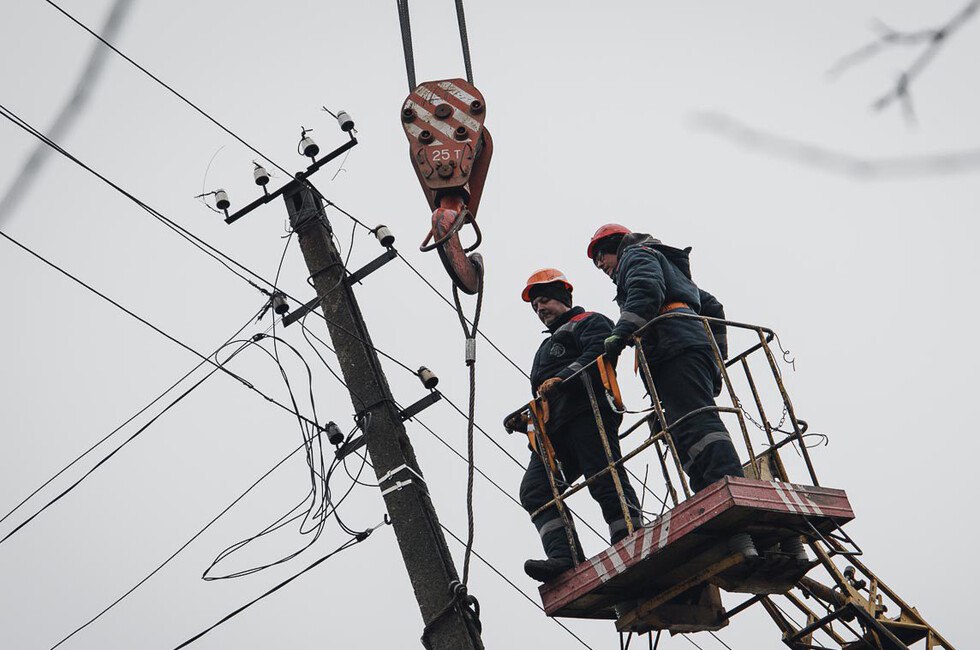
450,150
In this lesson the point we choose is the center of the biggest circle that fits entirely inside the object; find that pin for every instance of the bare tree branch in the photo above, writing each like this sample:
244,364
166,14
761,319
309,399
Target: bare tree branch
933,39
837,162
21,184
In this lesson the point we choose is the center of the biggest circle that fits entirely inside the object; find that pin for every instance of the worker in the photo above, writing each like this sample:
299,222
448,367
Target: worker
651,280
677,350
575,339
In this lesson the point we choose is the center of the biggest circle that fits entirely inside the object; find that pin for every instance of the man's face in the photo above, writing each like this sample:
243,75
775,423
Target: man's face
548,309
606,262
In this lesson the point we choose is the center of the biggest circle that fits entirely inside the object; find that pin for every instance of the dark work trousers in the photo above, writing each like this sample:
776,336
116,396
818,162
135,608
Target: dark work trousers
580,450
686,383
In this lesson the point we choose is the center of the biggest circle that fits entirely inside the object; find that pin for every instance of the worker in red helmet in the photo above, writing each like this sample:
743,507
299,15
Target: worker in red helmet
575,339
652,279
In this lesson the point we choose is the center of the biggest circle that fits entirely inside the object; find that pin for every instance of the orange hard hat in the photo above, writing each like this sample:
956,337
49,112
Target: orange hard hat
544,276
606,231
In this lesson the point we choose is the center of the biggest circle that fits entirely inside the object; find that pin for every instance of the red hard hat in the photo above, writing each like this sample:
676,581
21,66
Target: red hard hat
544,276
606,231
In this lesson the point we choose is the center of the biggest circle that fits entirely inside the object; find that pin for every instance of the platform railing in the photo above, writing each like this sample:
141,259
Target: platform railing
766,463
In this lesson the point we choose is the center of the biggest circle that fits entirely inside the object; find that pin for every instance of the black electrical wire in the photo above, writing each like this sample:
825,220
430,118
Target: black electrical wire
441,439
310,438
515,587
121,426
156,329
449,302
208,249
199,243
181,548
167,86
348,544
106,458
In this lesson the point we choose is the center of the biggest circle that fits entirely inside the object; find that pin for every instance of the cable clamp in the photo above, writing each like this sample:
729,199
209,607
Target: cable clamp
397,486
470,351
398,469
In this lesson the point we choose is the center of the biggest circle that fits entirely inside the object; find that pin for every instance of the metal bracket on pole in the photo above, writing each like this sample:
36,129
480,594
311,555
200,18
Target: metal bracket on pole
300,312
269,196
372,266
414,409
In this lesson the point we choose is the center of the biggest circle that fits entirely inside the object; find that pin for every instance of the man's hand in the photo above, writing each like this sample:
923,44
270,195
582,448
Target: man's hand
548,385
517,423
613,346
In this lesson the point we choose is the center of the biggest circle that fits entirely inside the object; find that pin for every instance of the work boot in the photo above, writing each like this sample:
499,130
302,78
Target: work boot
559,554
622,533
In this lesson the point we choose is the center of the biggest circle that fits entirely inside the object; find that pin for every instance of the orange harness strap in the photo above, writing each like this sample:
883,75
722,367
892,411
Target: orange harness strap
667,307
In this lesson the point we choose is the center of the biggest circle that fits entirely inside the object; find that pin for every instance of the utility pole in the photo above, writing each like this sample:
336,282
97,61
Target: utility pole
420,538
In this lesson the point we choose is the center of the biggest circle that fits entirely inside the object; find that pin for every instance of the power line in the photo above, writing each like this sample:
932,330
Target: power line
118,428
223,259
182,547
448,302
196,241
106,458
87,80
156,329
162,83
346,545
515,587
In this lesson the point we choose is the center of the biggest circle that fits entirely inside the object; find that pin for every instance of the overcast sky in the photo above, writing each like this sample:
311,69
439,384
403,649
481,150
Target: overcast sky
594,109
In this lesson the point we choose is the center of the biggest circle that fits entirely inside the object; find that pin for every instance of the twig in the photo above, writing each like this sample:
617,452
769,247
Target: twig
819,157
933,39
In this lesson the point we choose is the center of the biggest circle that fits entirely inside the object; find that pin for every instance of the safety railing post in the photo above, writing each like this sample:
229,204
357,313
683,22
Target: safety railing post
774,453
642,359
789,405
611,462
559,502
731,392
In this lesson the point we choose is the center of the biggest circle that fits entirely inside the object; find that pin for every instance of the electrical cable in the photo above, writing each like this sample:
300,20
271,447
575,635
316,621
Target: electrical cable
206,248
156,329
317,479
181,548
86,82
199,243
354,541
120,427
442,440
514,586
447,301
167,86
106,458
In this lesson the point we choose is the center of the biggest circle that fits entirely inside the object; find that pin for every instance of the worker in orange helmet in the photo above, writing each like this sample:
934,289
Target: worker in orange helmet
575,339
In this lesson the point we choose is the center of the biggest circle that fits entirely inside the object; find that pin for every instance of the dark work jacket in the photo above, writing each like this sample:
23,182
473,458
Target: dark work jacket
646,280
710,306
576,339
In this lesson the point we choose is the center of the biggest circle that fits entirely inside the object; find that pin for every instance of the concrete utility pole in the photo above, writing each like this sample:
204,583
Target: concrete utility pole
420,538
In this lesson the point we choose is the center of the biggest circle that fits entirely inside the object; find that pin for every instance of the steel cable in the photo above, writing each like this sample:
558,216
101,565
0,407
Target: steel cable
464,40
470,335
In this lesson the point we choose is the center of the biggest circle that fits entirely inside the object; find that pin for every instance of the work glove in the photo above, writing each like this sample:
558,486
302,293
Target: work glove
613,346
517,423
548,385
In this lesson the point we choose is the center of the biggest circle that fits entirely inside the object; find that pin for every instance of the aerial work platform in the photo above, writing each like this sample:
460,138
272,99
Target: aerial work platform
640,580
